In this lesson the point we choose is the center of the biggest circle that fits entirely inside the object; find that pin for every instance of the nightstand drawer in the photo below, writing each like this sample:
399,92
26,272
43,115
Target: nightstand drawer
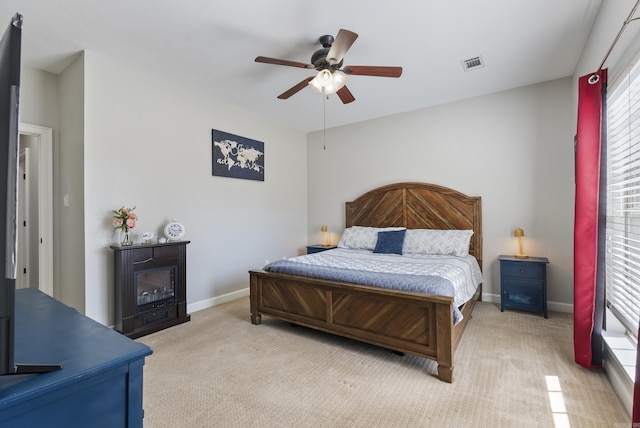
522,270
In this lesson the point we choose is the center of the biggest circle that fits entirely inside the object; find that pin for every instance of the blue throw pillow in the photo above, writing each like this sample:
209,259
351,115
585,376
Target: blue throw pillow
390,242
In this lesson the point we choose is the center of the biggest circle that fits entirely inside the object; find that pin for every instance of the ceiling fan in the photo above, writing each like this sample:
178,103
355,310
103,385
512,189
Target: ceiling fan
328,61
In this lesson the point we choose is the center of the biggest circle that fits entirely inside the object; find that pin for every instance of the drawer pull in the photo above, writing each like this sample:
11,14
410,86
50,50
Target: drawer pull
143,261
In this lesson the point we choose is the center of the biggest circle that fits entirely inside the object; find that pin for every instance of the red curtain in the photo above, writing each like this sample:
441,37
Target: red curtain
586,305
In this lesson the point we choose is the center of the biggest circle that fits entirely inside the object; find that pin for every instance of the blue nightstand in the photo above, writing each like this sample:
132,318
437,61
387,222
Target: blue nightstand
319,247
523,284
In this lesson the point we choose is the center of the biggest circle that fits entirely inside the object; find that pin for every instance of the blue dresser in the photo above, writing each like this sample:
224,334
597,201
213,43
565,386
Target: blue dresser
523,284
99,384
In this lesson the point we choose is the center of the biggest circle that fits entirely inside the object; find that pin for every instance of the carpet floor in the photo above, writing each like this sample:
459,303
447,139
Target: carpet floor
512,369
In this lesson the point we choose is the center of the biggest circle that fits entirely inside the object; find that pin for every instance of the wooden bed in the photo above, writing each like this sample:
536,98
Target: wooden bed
414,323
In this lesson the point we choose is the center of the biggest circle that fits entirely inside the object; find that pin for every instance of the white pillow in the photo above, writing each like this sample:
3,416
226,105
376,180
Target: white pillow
361,237
432,241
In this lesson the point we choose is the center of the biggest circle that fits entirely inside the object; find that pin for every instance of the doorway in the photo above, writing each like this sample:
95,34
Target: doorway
35,222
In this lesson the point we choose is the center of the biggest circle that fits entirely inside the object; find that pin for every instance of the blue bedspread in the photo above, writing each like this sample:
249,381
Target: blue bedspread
419,283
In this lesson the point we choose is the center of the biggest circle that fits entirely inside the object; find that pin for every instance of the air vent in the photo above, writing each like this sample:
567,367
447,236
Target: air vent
472,63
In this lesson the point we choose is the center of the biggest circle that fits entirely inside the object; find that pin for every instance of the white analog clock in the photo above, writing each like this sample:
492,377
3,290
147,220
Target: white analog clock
174,230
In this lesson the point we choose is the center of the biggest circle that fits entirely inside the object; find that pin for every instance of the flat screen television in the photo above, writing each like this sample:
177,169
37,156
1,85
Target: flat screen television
10,50
9,134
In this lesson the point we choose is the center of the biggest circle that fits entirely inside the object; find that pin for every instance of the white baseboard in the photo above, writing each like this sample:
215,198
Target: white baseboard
551,306
214,301
208,303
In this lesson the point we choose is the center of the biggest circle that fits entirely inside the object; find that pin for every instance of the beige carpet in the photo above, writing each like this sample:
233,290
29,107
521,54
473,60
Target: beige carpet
219,370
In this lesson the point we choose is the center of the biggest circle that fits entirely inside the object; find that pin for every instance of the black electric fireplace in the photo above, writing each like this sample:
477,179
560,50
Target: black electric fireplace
150,287
155,288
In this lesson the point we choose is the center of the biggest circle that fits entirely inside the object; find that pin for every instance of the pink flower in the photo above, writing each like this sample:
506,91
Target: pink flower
124,218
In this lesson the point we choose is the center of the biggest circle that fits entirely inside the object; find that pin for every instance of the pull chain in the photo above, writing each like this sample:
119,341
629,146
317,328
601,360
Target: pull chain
324,123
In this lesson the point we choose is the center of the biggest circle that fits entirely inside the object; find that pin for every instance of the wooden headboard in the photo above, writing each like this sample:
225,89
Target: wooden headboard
419,206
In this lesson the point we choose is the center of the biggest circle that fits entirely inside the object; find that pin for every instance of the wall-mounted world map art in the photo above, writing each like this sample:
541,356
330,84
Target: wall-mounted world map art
237,157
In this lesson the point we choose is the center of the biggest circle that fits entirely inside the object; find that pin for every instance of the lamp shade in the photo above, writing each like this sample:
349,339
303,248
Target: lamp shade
325,231
339,80
327,82
519,233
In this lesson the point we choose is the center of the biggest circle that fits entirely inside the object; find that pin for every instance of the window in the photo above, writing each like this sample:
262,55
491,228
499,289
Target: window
623,198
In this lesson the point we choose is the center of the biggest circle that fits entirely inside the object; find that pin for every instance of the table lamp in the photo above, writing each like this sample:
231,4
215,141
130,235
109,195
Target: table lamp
325,230
519,233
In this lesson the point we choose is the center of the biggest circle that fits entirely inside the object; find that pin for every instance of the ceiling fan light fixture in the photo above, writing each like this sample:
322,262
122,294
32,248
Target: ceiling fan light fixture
328,83
321,81
331,76
339,79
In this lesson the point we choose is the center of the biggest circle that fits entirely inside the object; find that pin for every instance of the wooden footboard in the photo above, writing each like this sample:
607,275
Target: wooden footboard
414,323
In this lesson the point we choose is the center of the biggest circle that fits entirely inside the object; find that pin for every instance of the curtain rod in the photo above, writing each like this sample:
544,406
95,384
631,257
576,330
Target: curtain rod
627,21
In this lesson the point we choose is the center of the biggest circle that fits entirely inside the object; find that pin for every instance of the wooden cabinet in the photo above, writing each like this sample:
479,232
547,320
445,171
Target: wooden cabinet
316,248
99,384
523,284
150,287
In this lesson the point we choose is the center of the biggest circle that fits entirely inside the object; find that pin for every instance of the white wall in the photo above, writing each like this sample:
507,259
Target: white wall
69,223
148,144
514,149
610,19
39,98
56,101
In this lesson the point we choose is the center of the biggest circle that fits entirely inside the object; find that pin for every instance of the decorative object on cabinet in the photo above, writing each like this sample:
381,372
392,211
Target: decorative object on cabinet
523,283
237,157
174,230
325,231
317,248
519,233
124,219
147,237
150,287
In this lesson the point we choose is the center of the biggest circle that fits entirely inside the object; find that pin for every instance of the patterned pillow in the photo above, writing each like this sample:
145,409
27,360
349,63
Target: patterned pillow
361,237
431,241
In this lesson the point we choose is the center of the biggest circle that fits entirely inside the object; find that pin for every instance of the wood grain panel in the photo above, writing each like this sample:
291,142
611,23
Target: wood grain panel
386,208
419,206
394,320
297,299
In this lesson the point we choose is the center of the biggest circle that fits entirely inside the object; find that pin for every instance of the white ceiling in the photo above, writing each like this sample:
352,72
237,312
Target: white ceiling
212,44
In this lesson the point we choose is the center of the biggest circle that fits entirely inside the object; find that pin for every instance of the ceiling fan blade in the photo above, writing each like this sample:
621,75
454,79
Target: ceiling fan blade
300,86
276,61
340,46
366,70
345,95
